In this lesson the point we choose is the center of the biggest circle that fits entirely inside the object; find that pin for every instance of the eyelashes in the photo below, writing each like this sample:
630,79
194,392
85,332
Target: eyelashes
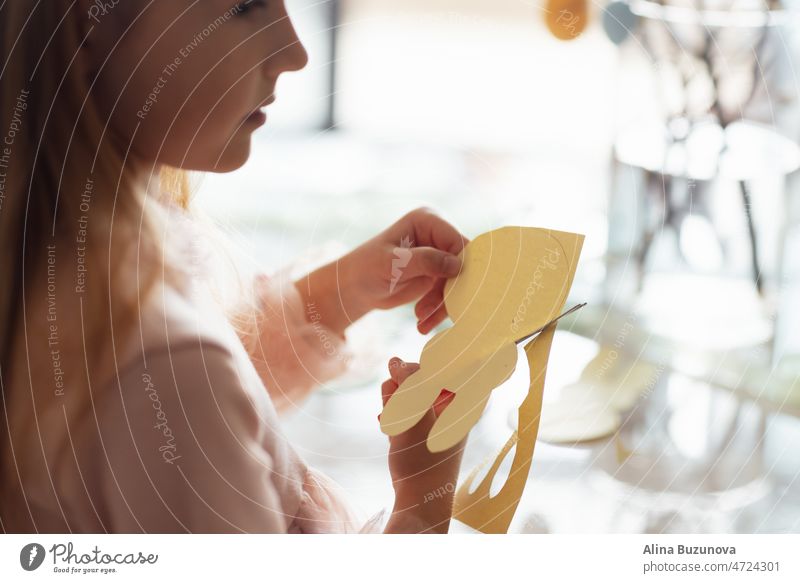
246,6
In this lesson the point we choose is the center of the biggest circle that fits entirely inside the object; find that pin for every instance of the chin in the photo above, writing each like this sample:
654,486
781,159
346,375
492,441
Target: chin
234,157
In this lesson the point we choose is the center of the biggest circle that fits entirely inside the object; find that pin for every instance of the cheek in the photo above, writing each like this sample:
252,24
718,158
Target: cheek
221,100
211,120
191,114
181,102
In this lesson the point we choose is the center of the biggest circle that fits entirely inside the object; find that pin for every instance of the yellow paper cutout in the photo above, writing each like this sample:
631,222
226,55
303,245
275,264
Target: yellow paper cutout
493,514
514,280
591,408
619,379
575,419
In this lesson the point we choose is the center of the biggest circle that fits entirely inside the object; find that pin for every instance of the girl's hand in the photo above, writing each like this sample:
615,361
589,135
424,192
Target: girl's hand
424,482
411,260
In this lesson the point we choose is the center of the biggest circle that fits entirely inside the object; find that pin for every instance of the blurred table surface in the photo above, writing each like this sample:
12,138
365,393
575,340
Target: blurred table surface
689,457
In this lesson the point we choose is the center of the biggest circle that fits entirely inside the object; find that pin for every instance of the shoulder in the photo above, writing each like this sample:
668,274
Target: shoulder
190,447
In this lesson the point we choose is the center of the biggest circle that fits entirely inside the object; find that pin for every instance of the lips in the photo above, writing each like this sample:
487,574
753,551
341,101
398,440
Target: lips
268,101
259,116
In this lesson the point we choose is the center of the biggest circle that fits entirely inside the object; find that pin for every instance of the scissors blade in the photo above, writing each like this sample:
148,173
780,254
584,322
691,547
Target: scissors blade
551,322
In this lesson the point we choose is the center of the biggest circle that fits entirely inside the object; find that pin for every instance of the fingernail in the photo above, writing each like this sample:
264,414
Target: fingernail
444,397
442,401
452,265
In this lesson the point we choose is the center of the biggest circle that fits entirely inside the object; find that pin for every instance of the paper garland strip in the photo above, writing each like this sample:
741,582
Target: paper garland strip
493,514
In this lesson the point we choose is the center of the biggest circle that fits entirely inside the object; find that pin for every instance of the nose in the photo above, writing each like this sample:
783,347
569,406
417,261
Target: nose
289,54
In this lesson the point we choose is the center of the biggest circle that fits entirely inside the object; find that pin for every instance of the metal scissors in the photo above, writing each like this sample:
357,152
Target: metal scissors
550,323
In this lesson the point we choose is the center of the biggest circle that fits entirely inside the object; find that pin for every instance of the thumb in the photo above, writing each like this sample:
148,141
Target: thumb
400,370
431,262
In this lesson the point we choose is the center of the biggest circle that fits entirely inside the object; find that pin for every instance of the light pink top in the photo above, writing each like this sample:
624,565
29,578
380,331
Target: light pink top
194,443
197,441
186,438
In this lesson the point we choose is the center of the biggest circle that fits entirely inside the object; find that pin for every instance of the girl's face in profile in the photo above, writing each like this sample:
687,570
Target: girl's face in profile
183,81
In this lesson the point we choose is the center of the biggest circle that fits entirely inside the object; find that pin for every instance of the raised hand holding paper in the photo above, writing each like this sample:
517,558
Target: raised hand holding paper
514,281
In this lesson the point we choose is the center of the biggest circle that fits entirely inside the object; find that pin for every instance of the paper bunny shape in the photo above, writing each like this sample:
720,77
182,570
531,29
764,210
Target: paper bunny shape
514,280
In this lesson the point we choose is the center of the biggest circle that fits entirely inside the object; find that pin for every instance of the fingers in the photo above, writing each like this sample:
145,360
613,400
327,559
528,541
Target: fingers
387,390
430,309
400,370
431,262
427,256
455,422
431,230
434,319
442,401
431,301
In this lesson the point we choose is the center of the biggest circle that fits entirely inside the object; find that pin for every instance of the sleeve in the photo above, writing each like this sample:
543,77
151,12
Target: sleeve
183,447
291,350
324,509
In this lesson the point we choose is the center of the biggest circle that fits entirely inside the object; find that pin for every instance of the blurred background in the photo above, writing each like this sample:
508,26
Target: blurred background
666,132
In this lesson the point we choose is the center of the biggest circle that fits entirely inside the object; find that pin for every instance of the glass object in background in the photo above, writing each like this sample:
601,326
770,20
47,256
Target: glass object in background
703,169
686,457
697,450
690,458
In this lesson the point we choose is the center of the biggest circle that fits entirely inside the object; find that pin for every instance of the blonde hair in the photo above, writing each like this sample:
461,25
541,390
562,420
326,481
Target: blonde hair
59,164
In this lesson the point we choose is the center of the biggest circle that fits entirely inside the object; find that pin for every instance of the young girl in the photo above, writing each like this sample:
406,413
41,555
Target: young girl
136,395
